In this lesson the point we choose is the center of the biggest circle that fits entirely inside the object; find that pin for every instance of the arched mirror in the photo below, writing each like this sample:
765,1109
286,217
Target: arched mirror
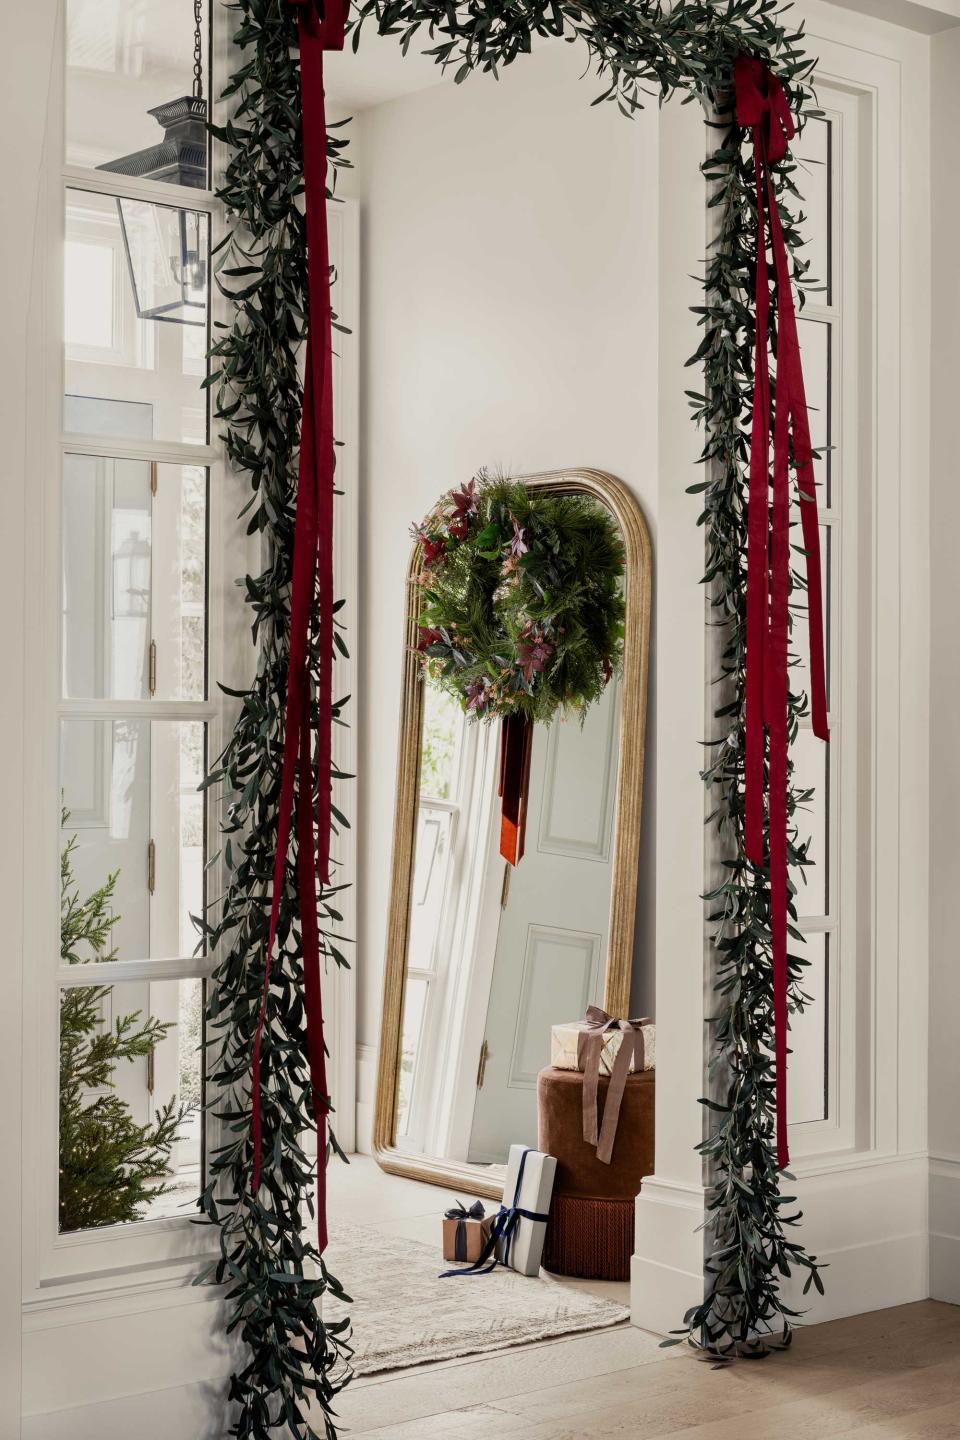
483,957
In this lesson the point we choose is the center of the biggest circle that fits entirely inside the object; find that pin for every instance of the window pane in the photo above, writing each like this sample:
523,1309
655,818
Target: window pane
134,579
807,1093
133,829
431,890
814,152
130,1098
414,1006
443,722
799,635
811,759
816,344
126,59
135,317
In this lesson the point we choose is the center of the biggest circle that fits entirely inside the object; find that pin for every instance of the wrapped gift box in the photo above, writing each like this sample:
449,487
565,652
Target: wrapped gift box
565,1043
465,1233
528,1187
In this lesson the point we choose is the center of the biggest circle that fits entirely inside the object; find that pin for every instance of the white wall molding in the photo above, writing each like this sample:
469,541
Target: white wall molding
366,1096
193,1410
944,1225
868,1223
666,1273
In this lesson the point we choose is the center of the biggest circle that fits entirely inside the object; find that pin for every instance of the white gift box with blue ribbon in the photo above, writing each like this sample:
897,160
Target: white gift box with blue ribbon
520,1225
526,1191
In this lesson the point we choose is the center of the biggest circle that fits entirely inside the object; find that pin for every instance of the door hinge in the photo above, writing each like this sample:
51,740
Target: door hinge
505,887
151,866
152,669
153,477
151,1076
482,1067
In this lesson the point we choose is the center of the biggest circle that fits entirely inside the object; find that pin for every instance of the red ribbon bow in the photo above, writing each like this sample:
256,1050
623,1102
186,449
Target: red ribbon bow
312,586
762,106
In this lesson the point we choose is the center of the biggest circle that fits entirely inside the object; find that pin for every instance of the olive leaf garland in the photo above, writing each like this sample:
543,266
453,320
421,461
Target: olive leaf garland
640,51
522,599
296,1361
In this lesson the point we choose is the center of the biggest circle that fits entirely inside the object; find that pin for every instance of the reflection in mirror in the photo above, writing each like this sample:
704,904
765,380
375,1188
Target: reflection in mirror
133,812
485,956
130,1093
496,955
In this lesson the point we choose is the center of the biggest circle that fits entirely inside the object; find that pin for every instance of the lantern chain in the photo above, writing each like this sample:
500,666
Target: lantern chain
197,51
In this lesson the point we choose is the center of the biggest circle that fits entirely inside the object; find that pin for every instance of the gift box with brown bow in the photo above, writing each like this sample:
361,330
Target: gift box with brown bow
569,1041
466,1230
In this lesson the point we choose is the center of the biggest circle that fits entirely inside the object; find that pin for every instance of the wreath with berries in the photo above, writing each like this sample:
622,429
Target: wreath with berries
522,599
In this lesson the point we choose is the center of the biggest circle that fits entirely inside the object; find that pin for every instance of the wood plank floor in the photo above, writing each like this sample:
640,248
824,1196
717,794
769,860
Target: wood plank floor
890,1374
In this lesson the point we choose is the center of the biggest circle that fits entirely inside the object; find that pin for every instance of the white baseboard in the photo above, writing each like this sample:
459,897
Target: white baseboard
366,1094
867,1222
78,1356
865,1218
666,1272
945,1229
196,1411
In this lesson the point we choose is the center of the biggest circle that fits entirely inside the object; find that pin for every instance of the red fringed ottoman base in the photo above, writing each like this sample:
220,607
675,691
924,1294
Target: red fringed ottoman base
592,1239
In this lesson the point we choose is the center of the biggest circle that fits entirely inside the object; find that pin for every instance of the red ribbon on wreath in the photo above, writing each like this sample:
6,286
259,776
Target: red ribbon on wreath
311,602
762,107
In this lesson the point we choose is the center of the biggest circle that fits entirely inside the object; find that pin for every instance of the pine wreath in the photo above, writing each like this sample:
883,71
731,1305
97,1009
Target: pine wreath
523,607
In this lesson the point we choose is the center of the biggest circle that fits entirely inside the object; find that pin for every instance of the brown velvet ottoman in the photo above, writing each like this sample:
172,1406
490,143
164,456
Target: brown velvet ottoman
590,1231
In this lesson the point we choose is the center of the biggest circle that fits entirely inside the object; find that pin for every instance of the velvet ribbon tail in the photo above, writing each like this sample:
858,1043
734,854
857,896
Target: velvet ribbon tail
311,595
762,107
516,746
596,1026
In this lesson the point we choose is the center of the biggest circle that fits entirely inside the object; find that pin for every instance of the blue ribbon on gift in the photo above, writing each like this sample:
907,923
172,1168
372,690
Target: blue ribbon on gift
507,1219
461,1214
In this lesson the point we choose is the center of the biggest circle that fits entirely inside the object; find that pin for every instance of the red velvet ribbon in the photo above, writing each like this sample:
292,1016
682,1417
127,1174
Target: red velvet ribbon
762,107
311,601
516,746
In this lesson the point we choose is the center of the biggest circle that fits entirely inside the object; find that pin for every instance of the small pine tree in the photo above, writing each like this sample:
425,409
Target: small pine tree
110,1167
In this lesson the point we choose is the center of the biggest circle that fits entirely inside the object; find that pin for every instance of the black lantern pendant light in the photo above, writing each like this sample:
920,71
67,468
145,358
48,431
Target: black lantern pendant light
166,247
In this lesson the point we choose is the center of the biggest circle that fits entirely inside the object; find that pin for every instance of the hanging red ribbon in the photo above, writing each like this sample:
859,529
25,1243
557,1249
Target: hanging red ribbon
762,107
311,595
516,746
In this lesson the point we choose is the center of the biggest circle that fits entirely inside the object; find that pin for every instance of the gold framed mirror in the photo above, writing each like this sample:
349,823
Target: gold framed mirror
459,1017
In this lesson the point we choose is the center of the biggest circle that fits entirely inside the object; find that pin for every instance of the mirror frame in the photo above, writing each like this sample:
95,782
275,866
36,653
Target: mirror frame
461,1175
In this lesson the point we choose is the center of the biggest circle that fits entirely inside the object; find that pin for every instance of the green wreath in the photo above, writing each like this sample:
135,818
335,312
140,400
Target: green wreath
522,610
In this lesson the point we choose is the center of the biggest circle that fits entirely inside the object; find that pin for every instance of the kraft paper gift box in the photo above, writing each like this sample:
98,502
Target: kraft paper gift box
528,1187
565,1046
465,1232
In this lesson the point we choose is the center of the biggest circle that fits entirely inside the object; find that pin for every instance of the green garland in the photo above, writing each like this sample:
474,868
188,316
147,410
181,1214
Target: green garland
638,50
275,1278
522,607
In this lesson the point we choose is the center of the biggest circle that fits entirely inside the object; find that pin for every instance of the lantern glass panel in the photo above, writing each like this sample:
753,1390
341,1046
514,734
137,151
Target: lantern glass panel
167,254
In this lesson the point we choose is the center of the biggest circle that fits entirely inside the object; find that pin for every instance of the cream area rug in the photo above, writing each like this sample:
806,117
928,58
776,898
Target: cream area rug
403,1314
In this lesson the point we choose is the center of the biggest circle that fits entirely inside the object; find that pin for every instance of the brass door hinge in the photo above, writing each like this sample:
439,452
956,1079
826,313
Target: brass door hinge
482,1067
152,669
150,1070
505,887
153,477
151,866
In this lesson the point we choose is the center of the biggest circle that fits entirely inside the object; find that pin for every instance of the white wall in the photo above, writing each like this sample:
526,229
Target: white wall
944,1066
509,240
